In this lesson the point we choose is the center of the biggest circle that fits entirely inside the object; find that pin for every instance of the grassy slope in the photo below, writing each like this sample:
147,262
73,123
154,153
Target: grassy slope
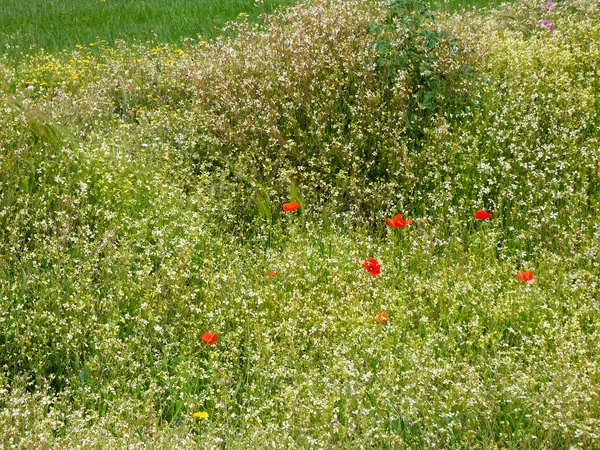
53,25
128,227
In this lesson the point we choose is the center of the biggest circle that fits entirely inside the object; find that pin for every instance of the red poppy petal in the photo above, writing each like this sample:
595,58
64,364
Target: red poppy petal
209,338
291,206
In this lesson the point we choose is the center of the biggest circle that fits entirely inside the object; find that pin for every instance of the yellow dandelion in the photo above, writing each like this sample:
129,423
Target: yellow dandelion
74,76
598,72
166,158
179,51
77,46
92,44
85,60
200,415
103,41
203,42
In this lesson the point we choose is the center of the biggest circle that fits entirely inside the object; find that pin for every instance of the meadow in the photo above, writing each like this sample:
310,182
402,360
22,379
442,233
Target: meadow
201,247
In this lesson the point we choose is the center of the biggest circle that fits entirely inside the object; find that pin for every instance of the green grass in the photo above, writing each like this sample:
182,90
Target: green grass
53,25
458,5
56,24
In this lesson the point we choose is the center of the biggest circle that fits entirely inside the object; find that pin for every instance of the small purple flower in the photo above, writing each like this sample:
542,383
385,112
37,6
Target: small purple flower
550,6
547,24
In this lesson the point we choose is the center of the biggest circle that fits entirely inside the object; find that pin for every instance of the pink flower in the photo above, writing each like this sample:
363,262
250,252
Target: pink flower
545,23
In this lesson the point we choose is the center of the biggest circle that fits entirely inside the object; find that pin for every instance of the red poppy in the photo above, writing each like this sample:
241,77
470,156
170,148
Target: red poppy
527,277
291,206
209,338
372,266
382,317
398,221
598,169
482,214
271,274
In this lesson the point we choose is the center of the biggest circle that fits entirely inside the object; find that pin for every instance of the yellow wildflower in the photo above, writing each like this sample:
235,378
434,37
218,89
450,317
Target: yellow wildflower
200,415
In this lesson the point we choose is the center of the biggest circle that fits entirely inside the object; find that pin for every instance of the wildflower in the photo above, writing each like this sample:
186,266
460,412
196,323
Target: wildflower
209,338
598,72
550,6
398,221
291,206
271,274
200,415
77,45
545,23
482,214
179,51
527,277
382,317
166,158
372,266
